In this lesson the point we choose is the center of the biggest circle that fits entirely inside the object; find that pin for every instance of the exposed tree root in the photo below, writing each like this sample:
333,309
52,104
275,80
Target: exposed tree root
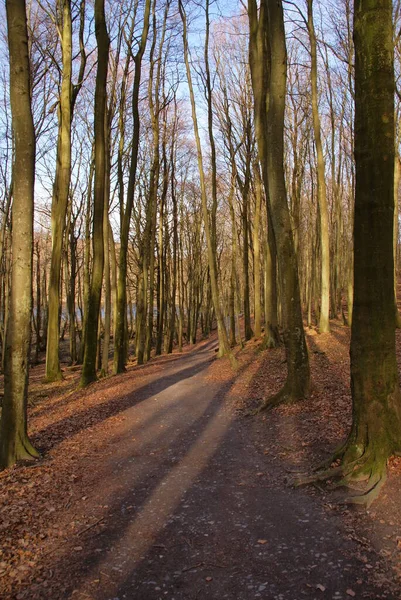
25,451
18,450
368,496
366,469
337,454
287,395
305,479
271,338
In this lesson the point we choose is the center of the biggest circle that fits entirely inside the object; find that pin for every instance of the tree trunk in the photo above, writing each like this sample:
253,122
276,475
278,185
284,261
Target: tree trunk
86,266
61,190
324,324
256,254
91,332
107,282
121,313
376,425
397,173
268,67
14,441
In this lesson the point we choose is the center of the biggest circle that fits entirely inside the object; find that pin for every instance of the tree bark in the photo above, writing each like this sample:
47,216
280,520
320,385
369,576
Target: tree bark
14,441
61,190
121,313
256,254
91,332
268,62
324,324
376,425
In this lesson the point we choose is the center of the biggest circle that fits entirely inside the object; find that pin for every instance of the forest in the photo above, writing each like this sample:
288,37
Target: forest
199,200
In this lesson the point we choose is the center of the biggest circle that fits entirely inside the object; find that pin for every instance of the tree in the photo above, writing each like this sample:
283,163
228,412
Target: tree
103,43
61,187
376,417
224,346
268,61
376,427
120,326
324,324
14,441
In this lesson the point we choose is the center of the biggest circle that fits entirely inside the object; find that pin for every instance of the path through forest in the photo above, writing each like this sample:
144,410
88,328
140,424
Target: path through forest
184,499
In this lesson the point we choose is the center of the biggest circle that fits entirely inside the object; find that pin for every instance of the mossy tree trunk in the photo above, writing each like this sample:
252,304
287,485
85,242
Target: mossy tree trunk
376,426
14,441
397,174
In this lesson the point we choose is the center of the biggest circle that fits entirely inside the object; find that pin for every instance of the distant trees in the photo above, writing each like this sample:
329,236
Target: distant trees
209,222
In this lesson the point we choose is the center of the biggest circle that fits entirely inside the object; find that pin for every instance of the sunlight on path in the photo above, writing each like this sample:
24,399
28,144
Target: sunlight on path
141,535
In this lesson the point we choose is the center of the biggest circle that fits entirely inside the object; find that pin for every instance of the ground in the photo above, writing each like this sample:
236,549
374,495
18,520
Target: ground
155,484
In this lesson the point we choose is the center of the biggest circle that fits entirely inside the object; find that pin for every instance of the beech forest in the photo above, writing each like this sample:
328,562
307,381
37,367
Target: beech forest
199,281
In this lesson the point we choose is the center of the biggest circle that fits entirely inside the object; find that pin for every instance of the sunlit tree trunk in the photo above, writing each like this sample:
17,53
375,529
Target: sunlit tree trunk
268,67
107,274
91,332
324,324
61,189
256,253
175,277
14,441
121,313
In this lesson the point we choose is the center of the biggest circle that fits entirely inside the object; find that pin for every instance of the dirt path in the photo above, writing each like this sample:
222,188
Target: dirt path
184,500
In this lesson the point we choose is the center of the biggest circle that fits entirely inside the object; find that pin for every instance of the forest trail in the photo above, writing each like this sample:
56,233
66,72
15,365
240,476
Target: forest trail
184,499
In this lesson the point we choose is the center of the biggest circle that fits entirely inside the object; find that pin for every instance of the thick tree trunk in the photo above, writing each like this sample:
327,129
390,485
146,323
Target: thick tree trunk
14,441
397,174
376,426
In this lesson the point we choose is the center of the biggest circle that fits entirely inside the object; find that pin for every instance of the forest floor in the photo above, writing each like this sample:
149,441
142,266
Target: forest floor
154,484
